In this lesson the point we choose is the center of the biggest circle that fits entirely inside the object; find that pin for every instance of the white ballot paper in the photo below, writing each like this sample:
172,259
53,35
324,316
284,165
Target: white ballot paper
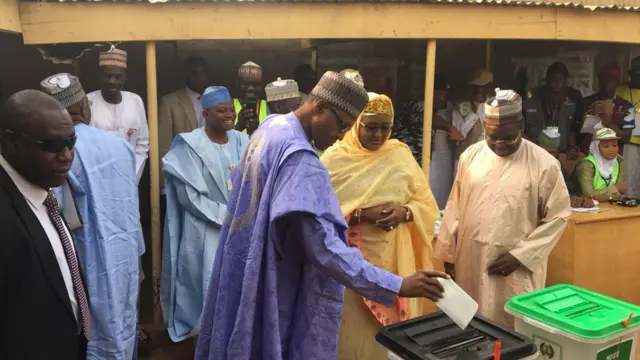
591,124
456,303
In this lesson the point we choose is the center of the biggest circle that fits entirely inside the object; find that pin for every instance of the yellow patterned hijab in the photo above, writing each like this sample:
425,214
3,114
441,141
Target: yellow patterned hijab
378,105
360,176
363,179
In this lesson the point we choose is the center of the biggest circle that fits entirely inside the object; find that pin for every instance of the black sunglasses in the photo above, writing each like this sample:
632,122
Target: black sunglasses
49,145
342,126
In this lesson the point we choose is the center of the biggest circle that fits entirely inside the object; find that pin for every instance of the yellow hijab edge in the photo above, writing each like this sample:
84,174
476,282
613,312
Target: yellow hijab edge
351,140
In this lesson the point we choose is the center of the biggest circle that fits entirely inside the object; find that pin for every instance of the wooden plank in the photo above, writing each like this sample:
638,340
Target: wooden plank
606,258
10,16
599,255
53,22
613,26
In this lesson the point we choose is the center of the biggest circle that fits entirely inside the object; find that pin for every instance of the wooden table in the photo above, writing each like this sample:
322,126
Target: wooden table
600,251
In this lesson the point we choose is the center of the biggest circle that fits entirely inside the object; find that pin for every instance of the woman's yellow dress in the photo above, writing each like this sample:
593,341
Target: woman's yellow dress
363,179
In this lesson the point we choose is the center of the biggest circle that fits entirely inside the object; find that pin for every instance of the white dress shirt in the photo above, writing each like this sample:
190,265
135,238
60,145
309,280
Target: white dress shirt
35,197
126,120
197,107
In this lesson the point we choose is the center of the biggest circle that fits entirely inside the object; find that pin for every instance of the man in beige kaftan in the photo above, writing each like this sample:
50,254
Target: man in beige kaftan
508,207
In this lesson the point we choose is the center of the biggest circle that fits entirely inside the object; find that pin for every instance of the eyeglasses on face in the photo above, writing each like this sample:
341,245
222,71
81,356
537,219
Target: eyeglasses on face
384,128
49,145
504,141
343,126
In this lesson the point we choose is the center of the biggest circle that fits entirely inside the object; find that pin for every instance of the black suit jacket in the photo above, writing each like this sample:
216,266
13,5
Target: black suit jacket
36,318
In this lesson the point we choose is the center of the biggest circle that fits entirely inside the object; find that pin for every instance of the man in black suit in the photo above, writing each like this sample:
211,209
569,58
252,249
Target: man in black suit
43,302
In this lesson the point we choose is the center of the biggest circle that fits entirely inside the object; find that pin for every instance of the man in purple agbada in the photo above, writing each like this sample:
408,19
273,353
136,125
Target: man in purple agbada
277,281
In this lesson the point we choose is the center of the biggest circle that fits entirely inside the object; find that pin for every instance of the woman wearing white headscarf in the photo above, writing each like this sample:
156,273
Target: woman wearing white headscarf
601,174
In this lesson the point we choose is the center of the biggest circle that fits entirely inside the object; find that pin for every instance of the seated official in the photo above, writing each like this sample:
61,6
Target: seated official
601,174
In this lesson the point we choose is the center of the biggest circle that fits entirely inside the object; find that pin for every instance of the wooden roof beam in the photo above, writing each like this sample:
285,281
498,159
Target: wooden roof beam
10,16
55,22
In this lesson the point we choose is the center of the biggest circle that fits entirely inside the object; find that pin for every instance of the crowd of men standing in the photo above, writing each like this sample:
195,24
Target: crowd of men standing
71,162
70,166
236,193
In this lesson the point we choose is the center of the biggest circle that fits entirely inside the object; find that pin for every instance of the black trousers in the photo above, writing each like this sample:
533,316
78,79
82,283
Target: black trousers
82,347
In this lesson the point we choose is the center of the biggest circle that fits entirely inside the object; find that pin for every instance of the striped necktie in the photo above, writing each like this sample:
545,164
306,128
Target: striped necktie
53,210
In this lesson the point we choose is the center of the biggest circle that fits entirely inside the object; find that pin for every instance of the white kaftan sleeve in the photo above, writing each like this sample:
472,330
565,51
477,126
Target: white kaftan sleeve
555,209
190,186
447,241
198,204
142,143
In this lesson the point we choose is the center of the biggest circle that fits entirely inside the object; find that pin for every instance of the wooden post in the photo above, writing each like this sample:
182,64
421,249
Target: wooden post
430,70
314,59
154,170
487,54
626,62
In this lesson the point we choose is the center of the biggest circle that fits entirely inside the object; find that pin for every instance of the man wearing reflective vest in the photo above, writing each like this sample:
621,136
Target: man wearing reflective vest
631,93
250,109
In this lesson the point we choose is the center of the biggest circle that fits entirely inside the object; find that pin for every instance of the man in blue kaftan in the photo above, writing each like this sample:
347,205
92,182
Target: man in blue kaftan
277,282
197,181
105,222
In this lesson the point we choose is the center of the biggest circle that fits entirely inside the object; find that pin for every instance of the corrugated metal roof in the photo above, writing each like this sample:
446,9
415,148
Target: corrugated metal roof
629,5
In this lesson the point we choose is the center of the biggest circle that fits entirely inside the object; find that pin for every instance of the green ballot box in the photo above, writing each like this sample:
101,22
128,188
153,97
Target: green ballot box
571,323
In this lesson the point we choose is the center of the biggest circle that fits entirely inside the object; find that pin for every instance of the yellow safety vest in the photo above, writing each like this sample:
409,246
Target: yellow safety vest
598,182
263,113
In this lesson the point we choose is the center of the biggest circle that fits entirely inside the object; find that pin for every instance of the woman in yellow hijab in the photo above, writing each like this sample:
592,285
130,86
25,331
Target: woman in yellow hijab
391,212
